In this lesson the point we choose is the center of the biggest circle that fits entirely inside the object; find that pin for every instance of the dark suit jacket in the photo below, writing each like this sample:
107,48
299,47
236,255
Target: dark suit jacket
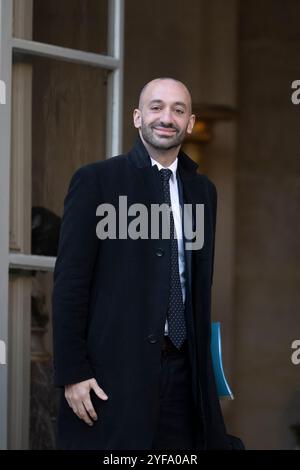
110,300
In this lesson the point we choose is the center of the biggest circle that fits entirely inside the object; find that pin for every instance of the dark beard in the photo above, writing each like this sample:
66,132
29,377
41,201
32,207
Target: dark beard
164,142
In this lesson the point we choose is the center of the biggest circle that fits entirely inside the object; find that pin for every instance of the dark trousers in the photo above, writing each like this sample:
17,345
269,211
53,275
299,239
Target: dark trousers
176,421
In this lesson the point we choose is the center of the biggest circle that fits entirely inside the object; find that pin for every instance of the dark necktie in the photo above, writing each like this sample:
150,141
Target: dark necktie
175,315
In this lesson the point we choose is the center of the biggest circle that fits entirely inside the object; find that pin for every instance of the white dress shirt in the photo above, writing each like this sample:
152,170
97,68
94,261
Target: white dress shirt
177,222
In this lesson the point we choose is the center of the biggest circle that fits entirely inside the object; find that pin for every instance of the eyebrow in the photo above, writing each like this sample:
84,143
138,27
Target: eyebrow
180,103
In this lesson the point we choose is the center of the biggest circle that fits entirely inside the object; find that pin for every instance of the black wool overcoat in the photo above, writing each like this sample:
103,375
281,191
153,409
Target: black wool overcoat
110,300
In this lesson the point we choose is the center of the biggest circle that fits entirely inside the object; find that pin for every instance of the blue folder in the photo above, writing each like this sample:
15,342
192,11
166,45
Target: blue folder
223,388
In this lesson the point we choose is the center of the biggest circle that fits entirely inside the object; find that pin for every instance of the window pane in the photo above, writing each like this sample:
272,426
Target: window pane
75,24
58,125
44,397
33,400
31,359
68,131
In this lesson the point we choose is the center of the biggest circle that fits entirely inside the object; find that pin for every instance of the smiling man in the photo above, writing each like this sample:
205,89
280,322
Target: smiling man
132,317
164,117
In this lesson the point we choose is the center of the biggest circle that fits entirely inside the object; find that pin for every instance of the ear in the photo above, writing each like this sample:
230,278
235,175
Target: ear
191,123
137,118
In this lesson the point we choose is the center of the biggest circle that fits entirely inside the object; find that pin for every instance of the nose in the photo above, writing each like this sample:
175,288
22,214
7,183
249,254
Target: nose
166,117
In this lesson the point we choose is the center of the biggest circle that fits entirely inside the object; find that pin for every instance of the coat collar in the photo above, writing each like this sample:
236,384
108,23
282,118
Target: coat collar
140,158
193,190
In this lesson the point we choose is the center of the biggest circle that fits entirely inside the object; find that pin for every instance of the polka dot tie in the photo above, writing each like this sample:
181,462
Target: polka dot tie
175,314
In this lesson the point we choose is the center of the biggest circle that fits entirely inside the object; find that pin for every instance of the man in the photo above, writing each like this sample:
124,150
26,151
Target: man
132,316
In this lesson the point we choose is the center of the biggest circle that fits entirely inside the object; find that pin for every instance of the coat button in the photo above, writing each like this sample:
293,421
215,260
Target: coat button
152,339
160,252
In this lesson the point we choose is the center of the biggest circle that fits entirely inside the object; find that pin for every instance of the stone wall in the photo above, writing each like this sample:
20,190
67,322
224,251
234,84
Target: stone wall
267,274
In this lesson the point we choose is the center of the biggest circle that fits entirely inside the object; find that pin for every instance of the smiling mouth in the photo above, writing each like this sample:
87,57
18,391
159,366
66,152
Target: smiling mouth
165,131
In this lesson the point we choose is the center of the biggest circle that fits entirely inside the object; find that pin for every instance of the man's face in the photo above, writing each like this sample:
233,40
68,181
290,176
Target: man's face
164,114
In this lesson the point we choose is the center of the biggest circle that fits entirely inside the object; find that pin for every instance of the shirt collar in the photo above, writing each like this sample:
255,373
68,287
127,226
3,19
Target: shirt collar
172,167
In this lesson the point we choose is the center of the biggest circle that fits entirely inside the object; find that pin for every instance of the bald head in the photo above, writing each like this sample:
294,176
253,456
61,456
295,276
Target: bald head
157,86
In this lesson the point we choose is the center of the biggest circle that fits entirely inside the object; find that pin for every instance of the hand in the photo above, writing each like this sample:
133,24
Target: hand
78,398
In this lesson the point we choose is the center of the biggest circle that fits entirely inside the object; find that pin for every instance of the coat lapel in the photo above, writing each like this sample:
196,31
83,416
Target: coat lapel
139,157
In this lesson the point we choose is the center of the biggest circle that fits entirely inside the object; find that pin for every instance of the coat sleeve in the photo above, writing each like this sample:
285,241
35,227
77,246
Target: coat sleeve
77,252
214,209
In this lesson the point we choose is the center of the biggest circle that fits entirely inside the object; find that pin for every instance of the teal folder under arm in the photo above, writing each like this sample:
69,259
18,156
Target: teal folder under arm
223,388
